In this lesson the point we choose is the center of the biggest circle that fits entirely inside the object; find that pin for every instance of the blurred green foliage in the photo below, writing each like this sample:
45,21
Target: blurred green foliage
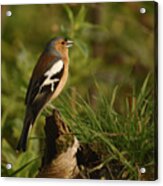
114,47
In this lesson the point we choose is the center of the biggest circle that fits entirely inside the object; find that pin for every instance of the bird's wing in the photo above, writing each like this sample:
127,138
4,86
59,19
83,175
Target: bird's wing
46,83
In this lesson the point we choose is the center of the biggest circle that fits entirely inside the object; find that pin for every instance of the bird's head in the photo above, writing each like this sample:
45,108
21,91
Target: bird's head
60,44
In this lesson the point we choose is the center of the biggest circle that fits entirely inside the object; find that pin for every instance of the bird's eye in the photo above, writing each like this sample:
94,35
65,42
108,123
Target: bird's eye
62,42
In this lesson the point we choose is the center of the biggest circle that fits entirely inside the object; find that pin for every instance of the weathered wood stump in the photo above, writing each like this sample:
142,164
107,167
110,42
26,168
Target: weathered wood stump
59,160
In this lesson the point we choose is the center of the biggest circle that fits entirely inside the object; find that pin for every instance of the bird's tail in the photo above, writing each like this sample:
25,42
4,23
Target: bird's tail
28,122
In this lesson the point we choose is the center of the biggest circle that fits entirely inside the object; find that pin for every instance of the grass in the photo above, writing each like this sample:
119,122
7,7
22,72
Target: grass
122,141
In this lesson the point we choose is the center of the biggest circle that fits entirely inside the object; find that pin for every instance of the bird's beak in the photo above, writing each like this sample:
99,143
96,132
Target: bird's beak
69,43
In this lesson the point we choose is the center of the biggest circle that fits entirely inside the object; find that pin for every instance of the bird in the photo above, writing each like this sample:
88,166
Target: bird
48,78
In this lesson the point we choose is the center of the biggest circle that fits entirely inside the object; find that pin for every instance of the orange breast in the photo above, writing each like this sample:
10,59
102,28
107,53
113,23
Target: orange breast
61,83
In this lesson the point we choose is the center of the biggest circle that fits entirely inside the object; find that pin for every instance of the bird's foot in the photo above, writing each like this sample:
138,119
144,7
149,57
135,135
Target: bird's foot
51,106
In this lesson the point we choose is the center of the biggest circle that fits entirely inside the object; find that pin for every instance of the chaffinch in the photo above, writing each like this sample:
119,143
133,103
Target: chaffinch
48,79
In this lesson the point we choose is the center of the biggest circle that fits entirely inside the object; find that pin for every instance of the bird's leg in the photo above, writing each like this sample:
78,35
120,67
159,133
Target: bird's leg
46,112
51,106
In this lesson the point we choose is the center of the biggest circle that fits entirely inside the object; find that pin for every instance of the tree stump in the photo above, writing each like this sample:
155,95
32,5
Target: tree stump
59,159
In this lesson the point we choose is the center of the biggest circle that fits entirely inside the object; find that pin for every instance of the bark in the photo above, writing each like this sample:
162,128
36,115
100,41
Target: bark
59,160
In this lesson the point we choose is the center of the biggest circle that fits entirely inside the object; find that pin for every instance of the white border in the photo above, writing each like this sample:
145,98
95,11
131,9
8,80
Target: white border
60,1
52,182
